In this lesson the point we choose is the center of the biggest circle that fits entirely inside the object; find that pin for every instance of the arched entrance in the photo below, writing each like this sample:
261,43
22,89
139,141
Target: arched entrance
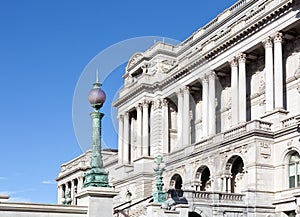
176,182
202,178
236,167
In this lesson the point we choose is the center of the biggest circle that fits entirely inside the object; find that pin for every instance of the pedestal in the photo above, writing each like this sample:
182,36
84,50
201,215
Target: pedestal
143,164
98,199
275,117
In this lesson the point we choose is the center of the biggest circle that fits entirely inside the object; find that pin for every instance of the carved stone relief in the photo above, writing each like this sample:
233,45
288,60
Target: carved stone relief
265,150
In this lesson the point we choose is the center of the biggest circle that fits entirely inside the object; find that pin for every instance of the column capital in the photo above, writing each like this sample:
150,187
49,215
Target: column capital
120,117
145,103
126,114
157,104
186,89
204,79
267,42
242,58
139,107
165,102
278,37
179,92
233,62
212,75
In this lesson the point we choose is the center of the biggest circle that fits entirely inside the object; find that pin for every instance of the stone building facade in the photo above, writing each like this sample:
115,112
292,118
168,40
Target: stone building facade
222,107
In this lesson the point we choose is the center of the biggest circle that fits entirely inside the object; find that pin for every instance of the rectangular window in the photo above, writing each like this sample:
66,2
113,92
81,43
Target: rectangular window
292,181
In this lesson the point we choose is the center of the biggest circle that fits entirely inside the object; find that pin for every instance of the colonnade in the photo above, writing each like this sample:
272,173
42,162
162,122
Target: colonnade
71,188
126,152
238,72
274,71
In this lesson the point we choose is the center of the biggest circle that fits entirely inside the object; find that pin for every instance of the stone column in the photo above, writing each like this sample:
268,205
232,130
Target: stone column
145,128
205,106
234,92
212,104
278,70
242,88
224,184
126,139
157,122
186,117
59,194
179,117
165,111
73,192
80,183
269,93
121,132
139,131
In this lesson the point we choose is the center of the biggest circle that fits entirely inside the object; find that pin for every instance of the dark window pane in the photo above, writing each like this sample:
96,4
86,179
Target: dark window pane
292,181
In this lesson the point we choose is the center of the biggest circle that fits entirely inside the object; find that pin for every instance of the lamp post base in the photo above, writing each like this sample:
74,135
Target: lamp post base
96,177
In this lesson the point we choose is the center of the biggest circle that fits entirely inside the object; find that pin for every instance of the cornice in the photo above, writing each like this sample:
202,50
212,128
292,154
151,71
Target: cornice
199,59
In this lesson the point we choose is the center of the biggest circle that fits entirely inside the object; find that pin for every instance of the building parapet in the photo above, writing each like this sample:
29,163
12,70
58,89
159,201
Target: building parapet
213,197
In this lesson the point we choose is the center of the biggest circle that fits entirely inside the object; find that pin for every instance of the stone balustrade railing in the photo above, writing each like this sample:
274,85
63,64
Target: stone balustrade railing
247,127
290,121
235,131
209,196
231,197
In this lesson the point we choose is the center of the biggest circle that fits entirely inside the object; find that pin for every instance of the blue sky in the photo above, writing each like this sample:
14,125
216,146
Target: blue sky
44,48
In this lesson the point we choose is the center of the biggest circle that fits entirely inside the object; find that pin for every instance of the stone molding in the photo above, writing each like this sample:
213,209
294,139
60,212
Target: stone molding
221,46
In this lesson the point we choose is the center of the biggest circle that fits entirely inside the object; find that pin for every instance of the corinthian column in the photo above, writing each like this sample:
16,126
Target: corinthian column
139,130
242,88
126,139
179,117
186,116
121,132
212,104
145,128
205,106
278,70
165,111
269,95
234,92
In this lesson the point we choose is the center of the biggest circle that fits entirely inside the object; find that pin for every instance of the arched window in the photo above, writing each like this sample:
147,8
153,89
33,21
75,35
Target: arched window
202,179
176,182
294,170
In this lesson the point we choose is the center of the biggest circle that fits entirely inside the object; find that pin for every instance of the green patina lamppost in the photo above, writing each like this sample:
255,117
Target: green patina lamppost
159,168
96,176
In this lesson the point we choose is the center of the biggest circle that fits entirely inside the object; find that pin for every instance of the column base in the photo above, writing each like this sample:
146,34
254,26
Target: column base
97,177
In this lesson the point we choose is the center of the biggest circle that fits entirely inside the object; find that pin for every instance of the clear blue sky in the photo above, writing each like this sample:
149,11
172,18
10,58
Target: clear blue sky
44,47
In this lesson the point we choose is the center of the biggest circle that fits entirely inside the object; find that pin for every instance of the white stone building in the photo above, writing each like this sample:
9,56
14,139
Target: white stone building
223,107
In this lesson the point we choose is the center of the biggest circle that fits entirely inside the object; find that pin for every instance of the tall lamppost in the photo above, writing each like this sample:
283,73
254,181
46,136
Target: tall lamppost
159,168
96,176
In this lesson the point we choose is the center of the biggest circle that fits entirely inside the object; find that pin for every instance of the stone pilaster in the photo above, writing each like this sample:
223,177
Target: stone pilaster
139,131
186,132
120,138
157,125
269,93
205,106
145,151
179,117
126,139
165,118
242,88
278,70
234,91
212,104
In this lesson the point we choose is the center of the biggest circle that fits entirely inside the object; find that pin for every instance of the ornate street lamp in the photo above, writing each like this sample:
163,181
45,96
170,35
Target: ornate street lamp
159,168
96,176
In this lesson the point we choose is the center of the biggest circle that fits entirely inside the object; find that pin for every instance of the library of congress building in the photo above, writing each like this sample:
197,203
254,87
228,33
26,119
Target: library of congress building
222,108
